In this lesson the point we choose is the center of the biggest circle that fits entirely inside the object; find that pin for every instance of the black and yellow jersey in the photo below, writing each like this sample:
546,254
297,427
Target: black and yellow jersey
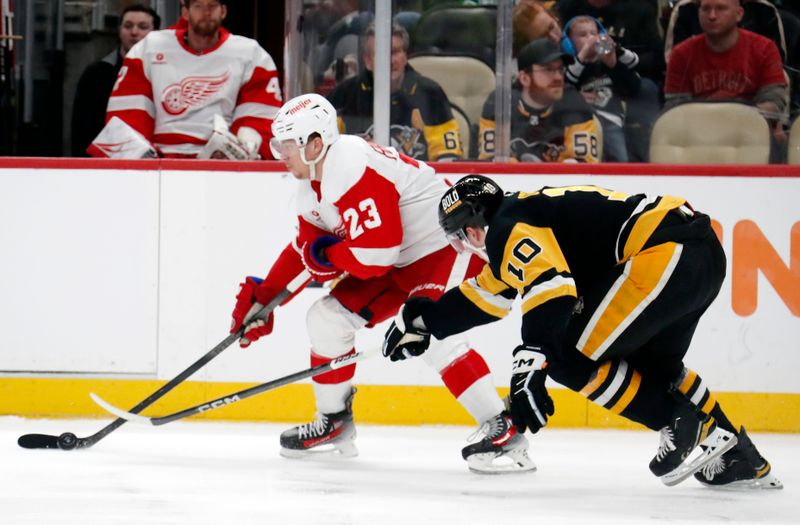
545,247
421,122
570,235
611,287
565,131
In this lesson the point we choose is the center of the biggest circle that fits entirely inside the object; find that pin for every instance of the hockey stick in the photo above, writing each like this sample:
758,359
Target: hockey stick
339,362
69,441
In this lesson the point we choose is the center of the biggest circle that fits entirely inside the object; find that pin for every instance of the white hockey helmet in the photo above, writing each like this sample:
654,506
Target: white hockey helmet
301,117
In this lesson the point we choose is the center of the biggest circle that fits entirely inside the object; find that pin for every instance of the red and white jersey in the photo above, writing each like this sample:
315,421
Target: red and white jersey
382,203
170,93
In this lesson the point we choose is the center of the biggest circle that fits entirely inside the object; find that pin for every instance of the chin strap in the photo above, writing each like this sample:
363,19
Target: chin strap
480,252
313,164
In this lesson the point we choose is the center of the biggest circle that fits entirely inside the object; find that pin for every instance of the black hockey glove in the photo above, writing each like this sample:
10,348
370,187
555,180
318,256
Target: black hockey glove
530,404
407,336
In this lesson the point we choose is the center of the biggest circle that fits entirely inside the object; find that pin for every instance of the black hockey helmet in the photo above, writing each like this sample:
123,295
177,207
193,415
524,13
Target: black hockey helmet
472,201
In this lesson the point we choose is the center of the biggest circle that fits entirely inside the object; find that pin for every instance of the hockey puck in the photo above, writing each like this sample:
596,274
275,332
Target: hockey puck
67,441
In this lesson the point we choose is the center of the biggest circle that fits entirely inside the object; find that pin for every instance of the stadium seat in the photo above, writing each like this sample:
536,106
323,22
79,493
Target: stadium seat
710,133
794,142
466,81
464,130
457,30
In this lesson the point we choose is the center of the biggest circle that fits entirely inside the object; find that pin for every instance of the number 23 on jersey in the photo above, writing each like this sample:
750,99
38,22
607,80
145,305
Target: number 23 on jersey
366,217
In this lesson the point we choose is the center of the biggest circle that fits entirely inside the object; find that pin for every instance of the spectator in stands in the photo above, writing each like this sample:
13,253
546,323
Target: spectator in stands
603,73
177,87
529,21
422,123
632,24
727,63
759,16
96,81
336,57
548,122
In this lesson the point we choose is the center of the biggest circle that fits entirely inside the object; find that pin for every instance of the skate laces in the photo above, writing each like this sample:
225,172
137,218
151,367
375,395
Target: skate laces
666,444
313,429
490,429
713,467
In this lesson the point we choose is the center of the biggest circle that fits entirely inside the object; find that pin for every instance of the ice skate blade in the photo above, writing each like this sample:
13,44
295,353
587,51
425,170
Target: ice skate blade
768,482
327,451
716,444
492,463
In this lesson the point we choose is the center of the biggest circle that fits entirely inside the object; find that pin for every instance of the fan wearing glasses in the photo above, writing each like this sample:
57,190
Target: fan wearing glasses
549,122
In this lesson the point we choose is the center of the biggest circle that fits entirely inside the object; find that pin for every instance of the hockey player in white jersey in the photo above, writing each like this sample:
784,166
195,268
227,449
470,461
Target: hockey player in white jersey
174,82
367,215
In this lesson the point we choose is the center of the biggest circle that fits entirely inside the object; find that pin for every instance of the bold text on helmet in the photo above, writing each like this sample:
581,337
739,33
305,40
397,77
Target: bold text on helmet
450,201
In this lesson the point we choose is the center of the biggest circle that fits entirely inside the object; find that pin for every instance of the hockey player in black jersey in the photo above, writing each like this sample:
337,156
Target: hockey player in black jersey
612,287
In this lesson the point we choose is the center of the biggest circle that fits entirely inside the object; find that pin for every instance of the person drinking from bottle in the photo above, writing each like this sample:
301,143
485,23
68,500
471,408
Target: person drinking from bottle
605,75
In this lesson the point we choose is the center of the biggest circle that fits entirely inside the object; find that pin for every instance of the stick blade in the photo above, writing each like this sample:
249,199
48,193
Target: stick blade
127,416
37,441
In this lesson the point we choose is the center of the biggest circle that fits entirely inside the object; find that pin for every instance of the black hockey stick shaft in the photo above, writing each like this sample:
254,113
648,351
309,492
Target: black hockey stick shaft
258,389
158,394
235,397
68,441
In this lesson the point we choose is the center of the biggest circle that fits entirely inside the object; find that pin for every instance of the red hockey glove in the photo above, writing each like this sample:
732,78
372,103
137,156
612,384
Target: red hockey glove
315,261
246,308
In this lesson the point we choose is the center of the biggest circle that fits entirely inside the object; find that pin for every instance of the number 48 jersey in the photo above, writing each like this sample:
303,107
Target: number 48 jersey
169,93
381,203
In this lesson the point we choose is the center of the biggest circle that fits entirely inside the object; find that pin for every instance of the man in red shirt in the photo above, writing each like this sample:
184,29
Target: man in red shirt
727,63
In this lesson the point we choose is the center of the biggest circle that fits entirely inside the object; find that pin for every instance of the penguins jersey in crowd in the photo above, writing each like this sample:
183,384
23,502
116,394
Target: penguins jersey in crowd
170,93
549,247
383,205
565,131
422,123
608,85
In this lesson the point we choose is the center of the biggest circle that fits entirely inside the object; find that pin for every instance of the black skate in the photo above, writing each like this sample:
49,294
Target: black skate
329,433
689,431
740,467
503,443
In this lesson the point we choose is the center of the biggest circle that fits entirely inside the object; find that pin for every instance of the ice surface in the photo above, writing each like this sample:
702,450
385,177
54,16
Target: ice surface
231,473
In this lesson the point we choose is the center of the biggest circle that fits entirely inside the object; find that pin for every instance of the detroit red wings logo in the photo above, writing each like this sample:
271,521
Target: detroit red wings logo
191,92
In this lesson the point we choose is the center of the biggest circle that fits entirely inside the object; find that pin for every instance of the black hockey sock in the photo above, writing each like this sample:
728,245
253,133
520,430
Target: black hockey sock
620,388
691,386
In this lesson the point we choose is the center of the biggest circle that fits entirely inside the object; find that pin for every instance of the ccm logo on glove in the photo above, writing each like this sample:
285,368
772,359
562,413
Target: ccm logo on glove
530,403
526,360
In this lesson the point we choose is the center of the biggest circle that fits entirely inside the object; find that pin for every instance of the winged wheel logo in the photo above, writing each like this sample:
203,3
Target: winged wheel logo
191,92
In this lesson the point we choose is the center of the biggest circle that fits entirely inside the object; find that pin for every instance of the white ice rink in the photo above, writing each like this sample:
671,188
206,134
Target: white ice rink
230,473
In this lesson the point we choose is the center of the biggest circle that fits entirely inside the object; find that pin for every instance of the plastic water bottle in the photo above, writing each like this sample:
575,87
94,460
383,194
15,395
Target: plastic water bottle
603,46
